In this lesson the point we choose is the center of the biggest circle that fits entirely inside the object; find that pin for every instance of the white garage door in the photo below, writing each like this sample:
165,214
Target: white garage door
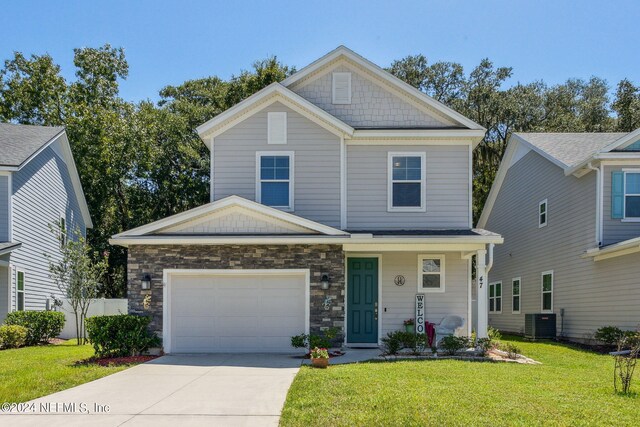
222,312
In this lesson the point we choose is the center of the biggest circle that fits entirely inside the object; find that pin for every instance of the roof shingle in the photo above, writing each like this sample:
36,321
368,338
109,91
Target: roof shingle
19,142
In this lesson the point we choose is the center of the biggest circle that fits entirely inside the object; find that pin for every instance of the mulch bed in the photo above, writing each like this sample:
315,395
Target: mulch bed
116,361
332,354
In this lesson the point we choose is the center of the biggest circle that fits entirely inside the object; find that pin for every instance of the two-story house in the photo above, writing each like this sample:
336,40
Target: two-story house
568,206
337,196
39,190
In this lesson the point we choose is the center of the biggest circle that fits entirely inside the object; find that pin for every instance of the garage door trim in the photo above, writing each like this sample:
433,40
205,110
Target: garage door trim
168,274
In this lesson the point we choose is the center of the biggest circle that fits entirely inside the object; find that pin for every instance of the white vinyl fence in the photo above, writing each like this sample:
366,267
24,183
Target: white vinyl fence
98,307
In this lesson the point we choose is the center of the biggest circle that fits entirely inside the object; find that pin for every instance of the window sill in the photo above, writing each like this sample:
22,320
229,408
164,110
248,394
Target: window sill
431,291
515,312
495,312
392,209
630,220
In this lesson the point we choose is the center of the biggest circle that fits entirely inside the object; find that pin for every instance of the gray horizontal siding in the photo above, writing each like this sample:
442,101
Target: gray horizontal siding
371,104
615,230
398,302
317,163
593,294
42,191
447,188
4,208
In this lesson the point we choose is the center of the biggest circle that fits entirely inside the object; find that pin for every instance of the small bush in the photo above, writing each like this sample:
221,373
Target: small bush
484,345
452,344
120,335
13,336
392,343
312,340
511,349
494,334
609,335
41,325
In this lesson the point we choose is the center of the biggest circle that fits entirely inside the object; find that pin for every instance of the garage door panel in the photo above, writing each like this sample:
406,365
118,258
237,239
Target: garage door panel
243,313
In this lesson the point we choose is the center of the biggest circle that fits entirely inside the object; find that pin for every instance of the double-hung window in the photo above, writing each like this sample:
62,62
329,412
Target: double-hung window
547,291
431,273
275,179
542,213
632,195
515,295
20,290
406,182
495,297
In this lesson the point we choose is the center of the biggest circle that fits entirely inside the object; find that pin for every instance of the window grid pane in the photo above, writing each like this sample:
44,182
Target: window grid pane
632,206
546,301
275,177
632,183
516,303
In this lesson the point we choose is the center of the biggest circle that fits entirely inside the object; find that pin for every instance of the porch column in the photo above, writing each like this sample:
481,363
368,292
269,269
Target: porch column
483,296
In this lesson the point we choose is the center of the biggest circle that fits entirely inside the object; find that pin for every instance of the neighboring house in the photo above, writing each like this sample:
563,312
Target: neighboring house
39,188
568,206
337,195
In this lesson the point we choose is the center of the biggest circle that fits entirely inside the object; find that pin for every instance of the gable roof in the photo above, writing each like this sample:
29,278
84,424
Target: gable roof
20,142
572,152
275,92
200,213
428,103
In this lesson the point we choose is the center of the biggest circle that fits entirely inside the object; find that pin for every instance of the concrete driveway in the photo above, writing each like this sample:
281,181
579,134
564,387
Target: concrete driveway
185,390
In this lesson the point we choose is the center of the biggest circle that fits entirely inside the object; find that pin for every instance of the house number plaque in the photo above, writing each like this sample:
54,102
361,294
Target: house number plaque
399,280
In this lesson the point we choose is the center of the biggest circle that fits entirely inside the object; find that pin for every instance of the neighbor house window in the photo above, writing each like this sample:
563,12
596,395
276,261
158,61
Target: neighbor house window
275,179
63,232
542,213
431,273
515,295
20,290
632,195
547,291
495,297
406,182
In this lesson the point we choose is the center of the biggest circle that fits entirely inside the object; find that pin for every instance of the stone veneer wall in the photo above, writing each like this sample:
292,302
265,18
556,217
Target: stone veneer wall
153,259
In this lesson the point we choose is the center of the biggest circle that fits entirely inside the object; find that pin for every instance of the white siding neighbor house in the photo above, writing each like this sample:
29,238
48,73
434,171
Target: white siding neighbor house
337,196
39,188
568,206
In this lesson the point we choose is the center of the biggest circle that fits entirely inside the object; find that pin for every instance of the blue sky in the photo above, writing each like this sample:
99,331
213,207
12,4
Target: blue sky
170,42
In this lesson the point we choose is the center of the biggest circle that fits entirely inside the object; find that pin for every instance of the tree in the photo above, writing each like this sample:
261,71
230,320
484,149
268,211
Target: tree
77,273
627,106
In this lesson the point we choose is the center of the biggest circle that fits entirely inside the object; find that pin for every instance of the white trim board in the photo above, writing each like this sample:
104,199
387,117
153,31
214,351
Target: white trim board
167,274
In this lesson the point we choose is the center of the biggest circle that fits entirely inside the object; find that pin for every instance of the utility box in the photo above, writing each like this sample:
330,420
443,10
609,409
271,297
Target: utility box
540,325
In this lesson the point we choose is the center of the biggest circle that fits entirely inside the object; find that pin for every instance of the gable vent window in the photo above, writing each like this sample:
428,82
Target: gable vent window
341,88
277,128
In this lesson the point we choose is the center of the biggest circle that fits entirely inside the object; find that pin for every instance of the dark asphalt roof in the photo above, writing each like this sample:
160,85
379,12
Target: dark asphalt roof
19,142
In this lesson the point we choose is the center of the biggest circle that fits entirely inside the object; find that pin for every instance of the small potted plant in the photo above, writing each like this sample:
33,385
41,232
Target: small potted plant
410,326
319,357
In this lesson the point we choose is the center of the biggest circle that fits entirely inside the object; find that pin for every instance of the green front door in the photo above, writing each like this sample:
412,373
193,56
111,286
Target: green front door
362,300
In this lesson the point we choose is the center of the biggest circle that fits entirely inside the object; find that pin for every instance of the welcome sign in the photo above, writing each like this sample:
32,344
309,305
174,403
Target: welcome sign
420,314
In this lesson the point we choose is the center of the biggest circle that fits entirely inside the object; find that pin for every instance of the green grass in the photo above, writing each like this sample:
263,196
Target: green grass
30,372
571,387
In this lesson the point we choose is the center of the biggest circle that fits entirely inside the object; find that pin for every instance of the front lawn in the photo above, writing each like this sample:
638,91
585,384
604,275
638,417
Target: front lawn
30,372
571,387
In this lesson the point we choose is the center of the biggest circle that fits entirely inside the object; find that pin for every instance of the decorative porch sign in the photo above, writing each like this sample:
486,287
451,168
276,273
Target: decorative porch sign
420,314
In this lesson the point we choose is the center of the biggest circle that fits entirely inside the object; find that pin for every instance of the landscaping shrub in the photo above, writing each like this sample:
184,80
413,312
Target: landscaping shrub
392,343
120,335
511,349
12,336
609,335
41,325
312,340
493,334
484,345
452,344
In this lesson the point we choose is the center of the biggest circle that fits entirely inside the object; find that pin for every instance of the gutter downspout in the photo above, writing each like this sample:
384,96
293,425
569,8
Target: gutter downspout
598,202
490,263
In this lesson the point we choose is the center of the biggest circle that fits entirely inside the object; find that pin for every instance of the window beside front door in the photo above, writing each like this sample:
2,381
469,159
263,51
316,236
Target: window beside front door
431,273
275,179
515,296
20,290
406,182
547,291
495,297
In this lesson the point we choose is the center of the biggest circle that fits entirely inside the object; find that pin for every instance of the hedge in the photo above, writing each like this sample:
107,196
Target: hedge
120,335
41,325
12,336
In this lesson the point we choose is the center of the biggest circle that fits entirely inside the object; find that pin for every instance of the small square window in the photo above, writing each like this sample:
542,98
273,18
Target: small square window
431,273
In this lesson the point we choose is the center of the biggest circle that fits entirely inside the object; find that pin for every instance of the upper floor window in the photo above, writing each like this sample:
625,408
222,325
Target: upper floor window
542,213
63,231
275,179
276,128
20,290
632,195
515,295
431,273
547,291
341,88
406,182
495,297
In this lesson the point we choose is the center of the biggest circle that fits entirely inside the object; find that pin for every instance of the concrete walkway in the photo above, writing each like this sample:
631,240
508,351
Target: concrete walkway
187,390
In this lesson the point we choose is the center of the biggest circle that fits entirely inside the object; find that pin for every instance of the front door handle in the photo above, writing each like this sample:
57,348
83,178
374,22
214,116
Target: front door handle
375,311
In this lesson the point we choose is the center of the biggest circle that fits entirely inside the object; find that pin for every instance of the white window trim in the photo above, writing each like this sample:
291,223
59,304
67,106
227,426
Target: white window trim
519,295
624,196
544,273
24,288
546,213
276,114
494,297
442,273
333,88
423,181
291,156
